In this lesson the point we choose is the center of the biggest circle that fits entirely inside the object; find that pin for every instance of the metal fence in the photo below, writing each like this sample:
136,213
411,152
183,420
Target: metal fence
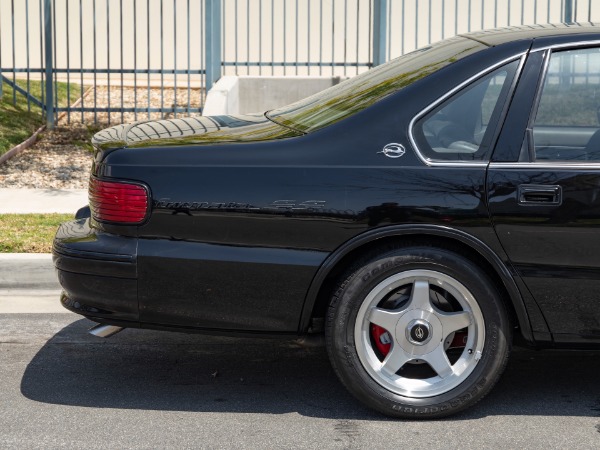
152,48
345,37
132,59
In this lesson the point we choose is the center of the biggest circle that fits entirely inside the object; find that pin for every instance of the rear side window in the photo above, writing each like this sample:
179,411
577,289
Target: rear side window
461,128
360,92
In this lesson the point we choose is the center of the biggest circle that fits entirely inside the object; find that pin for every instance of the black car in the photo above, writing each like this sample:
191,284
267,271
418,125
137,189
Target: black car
424,215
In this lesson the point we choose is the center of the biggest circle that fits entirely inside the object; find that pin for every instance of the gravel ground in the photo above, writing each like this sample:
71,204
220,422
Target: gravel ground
60,158
53,162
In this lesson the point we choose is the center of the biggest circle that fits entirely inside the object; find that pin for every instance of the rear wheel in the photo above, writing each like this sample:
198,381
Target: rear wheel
418,332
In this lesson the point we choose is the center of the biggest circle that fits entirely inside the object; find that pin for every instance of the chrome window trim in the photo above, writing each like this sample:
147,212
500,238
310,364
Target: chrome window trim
574,45
545,165
428,108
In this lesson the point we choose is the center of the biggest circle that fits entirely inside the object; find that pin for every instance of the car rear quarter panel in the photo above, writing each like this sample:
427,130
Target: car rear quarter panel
238,231
236,246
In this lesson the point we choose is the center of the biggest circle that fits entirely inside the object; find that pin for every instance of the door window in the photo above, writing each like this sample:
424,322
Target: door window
568,115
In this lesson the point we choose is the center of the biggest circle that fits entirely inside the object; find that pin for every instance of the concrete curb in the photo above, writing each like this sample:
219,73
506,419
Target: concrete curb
27,271
29,285
28,281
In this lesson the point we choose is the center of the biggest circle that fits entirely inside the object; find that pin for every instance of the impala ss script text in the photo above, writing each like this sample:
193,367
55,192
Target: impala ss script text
276,205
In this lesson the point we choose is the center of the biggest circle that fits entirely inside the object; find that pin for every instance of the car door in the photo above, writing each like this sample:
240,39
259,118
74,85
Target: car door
544,188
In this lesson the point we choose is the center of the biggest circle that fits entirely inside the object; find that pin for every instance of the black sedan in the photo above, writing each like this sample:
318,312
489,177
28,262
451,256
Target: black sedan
424,216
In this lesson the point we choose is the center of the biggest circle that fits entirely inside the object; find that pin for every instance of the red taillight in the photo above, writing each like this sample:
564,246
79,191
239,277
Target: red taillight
118,202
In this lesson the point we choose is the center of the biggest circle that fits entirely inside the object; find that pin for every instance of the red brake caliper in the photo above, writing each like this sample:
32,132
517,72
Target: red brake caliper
383,340
460,340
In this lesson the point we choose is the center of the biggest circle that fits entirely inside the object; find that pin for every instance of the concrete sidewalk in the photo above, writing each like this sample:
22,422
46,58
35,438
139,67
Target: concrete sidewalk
25,201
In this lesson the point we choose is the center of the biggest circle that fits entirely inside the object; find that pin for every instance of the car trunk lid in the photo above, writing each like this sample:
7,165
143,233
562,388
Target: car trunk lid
191,131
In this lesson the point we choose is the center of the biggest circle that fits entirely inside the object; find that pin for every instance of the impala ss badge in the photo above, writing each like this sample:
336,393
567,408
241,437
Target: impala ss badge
393,150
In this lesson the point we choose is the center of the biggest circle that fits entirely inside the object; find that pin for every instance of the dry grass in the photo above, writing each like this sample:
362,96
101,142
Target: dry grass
29,233
18,121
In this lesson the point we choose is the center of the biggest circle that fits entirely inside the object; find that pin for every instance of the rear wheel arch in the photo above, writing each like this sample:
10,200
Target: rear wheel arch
343,259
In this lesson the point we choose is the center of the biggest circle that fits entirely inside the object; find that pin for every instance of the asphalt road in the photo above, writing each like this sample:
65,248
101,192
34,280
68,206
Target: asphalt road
60,387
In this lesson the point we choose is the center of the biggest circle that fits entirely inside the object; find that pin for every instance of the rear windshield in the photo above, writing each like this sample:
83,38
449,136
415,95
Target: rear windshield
354,95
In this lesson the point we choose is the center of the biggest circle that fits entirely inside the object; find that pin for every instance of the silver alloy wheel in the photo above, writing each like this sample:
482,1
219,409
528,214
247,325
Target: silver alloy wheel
418,330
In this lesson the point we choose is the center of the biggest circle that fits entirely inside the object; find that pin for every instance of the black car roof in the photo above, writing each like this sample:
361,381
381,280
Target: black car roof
510,34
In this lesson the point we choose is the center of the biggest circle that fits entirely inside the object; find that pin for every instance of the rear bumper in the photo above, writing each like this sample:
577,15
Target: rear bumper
97,271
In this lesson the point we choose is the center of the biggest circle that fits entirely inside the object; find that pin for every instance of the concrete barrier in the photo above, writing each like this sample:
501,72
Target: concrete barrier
248,94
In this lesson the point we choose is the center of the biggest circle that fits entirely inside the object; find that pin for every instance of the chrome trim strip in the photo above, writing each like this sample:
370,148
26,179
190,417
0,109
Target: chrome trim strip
436,163
545,165
568,45
432,163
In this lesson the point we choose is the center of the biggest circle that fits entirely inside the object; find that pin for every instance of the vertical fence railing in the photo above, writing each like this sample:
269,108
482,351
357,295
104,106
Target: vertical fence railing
379,31
213,41
49,105
136,55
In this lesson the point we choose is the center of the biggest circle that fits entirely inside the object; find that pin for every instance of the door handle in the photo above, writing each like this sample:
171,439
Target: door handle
539,194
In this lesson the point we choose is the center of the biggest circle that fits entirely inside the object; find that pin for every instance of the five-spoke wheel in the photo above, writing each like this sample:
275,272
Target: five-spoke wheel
418,332
432,307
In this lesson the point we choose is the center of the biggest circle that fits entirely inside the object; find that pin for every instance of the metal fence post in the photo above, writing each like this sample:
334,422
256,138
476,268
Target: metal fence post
568,12
48,64
212,29
379,31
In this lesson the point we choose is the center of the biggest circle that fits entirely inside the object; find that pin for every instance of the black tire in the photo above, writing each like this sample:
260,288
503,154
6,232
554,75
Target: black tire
445,275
